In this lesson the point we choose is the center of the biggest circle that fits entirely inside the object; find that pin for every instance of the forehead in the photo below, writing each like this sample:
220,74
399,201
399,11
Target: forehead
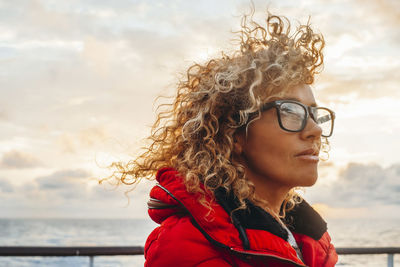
301,93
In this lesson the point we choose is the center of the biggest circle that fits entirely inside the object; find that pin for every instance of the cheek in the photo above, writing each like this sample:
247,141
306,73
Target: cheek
268,150
269,157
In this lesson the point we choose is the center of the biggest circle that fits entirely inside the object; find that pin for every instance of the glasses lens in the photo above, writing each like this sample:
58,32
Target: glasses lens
292,116
324,119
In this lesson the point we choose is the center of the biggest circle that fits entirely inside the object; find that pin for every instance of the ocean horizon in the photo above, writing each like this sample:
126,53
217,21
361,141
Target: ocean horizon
133,232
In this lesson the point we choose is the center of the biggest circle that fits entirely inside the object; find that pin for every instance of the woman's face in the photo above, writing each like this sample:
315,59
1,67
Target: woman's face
287,159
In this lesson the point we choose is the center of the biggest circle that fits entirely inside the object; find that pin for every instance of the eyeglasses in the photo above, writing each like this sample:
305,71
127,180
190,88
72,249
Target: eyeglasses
293,116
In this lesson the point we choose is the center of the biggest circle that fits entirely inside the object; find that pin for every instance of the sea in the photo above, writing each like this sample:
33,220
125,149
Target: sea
133,232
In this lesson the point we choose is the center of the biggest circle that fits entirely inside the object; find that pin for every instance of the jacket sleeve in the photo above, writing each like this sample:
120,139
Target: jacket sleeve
178,243
317,252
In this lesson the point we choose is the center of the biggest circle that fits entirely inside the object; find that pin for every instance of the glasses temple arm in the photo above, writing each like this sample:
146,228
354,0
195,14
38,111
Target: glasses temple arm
267,106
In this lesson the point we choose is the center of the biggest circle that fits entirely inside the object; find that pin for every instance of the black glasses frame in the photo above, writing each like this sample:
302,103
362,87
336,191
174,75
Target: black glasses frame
309,111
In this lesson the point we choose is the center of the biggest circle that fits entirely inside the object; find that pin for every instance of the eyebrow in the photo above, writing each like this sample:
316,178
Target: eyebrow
298,100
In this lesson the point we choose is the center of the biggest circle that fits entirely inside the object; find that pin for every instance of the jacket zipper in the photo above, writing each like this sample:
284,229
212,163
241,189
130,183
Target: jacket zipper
267,255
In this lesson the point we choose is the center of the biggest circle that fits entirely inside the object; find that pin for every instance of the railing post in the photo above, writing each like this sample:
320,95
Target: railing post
390,260
91,261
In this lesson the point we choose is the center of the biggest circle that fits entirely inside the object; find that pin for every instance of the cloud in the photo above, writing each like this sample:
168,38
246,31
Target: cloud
358,189
3,115
27,17
59,188
19,160
5,186
363,85
387,11
361,52
63,179
85,138
76,73
361,186
70,185
71,193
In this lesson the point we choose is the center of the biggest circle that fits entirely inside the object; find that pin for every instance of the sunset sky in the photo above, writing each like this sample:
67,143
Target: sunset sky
78,80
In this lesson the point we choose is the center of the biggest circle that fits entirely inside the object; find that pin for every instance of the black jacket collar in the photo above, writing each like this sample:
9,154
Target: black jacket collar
302,219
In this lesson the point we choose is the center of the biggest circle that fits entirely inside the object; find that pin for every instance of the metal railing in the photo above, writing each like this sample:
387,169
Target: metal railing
92,252
390,251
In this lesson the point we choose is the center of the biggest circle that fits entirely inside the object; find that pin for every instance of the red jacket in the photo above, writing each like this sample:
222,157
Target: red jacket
190,235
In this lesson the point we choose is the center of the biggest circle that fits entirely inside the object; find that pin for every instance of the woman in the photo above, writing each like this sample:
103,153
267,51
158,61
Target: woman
243,132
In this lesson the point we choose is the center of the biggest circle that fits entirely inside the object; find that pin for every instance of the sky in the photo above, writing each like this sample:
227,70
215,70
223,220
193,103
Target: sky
79,79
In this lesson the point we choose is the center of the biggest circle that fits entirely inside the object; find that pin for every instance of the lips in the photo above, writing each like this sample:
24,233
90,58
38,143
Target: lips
308,155
309,152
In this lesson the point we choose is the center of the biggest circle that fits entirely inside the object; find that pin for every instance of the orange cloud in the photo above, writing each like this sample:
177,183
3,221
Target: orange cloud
85,138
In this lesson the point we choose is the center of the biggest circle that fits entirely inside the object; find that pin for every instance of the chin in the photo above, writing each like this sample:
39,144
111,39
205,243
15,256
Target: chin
310,181
307,179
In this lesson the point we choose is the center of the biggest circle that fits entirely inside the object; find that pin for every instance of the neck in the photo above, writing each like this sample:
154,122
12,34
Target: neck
269,192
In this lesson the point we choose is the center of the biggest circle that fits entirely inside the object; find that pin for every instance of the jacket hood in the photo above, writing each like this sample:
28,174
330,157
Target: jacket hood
171,194
246,230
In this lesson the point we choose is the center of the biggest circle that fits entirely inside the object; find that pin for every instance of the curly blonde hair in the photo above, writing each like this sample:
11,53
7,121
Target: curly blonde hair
215,100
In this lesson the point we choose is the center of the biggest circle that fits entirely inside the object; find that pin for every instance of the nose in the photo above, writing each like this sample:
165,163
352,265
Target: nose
312,130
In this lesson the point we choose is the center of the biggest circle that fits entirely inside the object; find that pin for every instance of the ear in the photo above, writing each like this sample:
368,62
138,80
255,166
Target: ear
238,142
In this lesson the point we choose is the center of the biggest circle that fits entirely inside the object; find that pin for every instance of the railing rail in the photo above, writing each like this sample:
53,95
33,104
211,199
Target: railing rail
390,251
91,252
367,250
70,251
